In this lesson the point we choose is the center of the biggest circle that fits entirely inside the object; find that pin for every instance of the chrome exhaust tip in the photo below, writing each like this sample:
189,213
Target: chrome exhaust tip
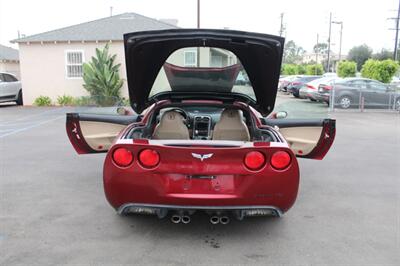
214,219
224,220
176,219
185,219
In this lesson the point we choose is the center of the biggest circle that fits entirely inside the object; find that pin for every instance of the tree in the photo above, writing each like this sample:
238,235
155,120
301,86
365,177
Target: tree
380,70
383,54
321,48
347,69
301,69
359,54
315,69
289,69
101,77
292,53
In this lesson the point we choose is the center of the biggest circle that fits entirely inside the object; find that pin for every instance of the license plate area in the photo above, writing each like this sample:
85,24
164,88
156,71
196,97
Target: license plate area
201,177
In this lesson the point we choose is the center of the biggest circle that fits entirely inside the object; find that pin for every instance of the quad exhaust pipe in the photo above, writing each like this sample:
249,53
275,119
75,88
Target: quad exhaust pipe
179,218
216,219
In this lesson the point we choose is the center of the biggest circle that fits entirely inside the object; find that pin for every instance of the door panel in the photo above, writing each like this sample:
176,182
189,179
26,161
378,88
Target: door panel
100,135
302,140
308,138
92,133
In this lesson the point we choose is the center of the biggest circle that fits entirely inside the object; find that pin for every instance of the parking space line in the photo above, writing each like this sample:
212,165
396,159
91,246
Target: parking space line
29,127
30,116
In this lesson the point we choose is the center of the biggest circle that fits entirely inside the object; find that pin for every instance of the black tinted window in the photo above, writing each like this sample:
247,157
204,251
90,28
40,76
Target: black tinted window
1,77
377,86
9,78
361,84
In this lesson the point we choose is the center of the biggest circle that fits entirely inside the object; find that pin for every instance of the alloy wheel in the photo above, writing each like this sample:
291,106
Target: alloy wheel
345,102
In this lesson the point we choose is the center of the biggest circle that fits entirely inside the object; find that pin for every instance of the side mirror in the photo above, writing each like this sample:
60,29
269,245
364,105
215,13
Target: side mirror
281,114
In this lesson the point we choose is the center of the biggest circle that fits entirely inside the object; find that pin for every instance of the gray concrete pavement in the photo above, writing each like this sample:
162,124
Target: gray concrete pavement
53,209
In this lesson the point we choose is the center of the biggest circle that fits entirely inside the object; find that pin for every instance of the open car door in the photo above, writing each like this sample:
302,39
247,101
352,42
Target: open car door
308,138
94,133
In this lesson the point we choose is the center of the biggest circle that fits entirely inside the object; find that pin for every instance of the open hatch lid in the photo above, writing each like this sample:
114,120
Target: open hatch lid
146,54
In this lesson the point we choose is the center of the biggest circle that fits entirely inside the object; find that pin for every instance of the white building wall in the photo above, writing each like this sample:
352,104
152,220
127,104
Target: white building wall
43,68
10,67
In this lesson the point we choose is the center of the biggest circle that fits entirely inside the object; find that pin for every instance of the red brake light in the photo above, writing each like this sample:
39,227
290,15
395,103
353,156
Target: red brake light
122,157
149,158
254,160
280,160
310,87
327,87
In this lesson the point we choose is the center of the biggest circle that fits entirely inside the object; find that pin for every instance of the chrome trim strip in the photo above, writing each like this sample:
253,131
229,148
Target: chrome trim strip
121,209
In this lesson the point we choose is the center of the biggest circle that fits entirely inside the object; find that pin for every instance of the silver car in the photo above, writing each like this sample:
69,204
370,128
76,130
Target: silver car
10,88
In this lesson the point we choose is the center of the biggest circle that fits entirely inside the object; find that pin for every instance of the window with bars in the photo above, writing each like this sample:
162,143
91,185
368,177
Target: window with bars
74,61
190,58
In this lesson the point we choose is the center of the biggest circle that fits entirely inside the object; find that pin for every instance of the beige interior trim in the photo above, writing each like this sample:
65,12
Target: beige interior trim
171,126
100,135
231,126
302,140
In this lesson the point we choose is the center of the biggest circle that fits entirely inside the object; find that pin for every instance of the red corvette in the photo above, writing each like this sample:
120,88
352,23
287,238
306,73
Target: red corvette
201,139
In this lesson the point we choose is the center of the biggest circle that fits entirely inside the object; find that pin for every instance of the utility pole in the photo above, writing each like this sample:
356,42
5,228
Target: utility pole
111,10
341,30
397,34
282,27
329,43
316,50
198,26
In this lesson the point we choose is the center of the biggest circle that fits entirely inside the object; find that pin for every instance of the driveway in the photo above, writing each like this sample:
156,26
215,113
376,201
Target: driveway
53,209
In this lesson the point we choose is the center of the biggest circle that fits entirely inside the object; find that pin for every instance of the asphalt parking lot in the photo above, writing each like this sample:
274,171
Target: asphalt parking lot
53,209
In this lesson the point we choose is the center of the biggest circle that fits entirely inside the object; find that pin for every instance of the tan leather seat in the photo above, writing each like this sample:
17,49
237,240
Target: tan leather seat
231,126
171,126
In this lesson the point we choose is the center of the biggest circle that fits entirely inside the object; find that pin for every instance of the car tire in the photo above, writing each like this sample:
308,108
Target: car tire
296,95
313,100
19,100
396,105
345,102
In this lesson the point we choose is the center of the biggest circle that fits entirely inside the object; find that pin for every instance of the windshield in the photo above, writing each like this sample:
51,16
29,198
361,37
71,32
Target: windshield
203,69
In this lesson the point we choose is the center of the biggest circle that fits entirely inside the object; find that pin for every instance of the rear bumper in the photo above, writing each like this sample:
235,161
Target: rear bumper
220,182
162,210
321,97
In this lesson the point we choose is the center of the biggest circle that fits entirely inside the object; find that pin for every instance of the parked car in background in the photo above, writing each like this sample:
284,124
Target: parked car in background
311,90
285,81
329,74
296,84
354,92
10,88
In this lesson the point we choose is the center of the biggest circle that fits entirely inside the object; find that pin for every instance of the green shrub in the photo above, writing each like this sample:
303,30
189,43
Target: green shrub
82,101
315,69
289,69
347,69
65,100
380,70
101,78
301,69
42,101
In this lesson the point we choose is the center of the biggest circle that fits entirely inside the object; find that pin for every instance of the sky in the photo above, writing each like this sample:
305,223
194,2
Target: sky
363,21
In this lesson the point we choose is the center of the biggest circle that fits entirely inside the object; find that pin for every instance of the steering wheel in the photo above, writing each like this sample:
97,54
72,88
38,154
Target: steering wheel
183,113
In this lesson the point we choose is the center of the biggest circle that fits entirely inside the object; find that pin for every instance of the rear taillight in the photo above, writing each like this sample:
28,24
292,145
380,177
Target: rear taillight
254,160
280,160
310,87
328,88
296,83
149,158
122,157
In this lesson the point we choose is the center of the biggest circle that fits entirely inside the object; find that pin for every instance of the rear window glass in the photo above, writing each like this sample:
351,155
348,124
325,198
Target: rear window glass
203,69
